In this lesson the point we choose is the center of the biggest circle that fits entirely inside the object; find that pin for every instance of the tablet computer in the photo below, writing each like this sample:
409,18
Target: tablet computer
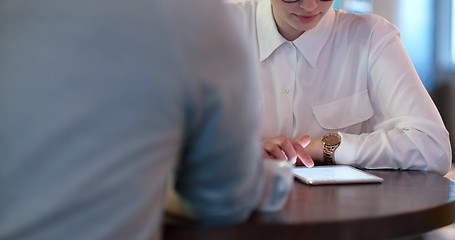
338,174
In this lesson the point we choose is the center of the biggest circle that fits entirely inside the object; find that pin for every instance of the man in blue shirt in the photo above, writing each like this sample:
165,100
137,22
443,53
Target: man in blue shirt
101,101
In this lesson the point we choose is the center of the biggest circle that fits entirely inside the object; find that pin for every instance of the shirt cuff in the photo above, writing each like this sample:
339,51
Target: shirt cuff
345,153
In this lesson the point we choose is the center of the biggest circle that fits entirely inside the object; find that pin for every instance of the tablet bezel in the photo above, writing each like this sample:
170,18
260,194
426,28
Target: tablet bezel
366,177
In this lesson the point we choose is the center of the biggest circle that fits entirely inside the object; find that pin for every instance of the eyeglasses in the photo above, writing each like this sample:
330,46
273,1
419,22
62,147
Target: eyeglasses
294,1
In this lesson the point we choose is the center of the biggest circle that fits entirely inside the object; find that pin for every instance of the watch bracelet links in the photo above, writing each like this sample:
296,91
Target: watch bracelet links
328,155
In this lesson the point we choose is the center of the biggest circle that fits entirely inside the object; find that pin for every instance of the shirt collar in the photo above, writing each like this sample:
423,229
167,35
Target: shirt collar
269,38
310,43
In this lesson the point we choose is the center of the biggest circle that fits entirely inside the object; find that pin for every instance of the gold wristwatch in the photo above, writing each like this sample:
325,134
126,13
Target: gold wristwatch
330,142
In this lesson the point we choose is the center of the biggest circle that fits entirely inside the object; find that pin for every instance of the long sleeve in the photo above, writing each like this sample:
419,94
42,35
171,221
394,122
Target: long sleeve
408,132
220,173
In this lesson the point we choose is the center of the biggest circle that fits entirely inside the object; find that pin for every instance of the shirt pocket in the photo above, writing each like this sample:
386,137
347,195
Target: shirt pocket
344,112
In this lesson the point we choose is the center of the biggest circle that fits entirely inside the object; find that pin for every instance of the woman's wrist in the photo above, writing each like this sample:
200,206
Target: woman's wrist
314,149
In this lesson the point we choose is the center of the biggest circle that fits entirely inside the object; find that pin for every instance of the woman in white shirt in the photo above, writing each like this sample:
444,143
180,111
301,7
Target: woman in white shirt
325,71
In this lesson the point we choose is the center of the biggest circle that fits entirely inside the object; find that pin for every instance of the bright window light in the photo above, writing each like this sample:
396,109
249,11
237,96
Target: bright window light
452,33
358,6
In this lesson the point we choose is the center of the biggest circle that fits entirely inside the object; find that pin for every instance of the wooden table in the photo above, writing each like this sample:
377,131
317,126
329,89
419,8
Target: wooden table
407,203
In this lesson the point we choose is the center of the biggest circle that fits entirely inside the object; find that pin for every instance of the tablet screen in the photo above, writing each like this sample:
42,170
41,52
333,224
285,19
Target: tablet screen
339,174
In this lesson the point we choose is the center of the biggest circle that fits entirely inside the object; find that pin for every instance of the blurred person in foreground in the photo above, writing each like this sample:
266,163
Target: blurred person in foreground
101,101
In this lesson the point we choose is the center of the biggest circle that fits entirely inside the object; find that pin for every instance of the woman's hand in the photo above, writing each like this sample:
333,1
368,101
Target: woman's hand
281,147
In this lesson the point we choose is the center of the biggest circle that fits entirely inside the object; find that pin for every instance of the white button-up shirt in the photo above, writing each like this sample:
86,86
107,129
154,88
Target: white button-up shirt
350,74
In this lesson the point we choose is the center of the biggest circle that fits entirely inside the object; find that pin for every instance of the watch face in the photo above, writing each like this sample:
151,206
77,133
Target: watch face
331,139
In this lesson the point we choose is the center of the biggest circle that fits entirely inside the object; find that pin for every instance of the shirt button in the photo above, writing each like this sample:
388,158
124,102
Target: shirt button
286,90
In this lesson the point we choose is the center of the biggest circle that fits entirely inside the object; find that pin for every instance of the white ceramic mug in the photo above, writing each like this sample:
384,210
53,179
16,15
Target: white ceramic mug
278,180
